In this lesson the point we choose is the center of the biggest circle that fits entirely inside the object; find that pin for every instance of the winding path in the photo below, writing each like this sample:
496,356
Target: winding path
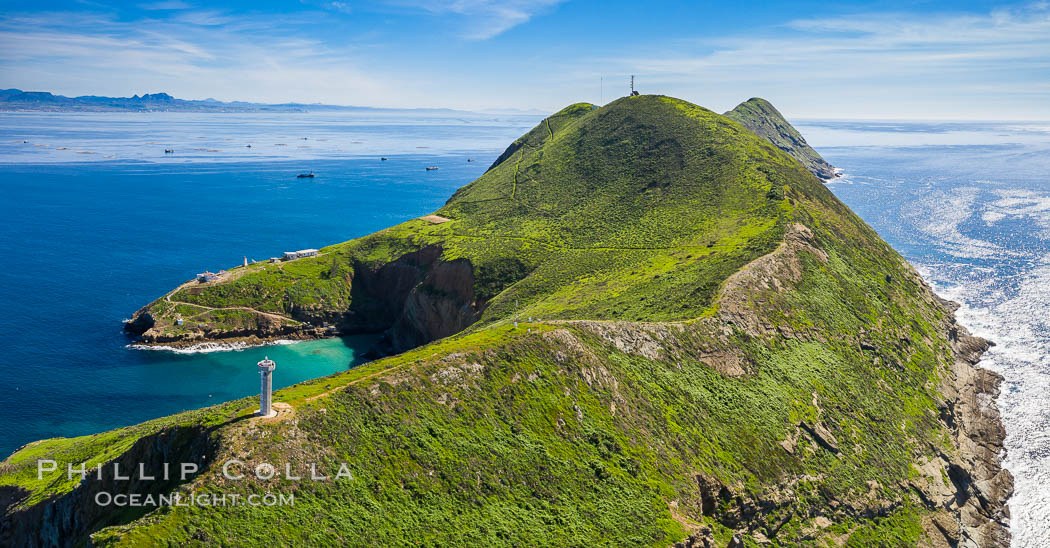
247,308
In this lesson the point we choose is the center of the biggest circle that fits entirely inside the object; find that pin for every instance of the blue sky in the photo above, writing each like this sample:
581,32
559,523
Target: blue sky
894,59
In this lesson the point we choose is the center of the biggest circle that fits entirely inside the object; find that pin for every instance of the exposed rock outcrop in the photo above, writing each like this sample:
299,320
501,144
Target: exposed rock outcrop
141,322
976,511
439,305
744,294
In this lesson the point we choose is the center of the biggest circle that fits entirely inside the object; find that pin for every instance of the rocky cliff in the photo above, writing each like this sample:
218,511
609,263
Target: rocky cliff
975,503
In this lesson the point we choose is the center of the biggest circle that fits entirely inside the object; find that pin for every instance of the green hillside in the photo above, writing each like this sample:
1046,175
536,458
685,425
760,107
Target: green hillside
708,344
766,121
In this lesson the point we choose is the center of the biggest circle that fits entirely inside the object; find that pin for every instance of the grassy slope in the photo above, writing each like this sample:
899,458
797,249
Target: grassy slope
766,121
551,434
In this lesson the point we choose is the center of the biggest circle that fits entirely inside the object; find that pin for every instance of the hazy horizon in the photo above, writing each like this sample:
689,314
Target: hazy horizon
853,61
536,112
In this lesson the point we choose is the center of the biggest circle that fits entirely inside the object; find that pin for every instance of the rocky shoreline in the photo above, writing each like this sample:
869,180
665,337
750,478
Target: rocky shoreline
412,300
267,330
977,502
217,346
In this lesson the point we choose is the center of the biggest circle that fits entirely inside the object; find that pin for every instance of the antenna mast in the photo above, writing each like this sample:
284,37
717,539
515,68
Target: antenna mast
632,84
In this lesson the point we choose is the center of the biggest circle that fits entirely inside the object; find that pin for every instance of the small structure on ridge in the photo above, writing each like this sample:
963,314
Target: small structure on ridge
207,276
293,255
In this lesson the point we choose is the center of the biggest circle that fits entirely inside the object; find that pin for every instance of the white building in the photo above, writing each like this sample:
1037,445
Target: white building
293,255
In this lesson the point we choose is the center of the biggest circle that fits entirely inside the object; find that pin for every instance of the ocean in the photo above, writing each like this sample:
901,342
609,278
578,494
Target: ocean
98,220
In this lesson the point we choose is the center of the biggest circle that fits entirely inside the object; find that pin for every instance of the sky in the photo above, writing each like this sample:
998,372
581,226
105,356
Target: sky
895,59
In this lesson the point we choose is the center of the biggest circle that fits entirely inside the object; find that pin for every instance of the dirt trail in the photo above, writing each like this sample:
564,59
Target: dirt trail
355,381
247,308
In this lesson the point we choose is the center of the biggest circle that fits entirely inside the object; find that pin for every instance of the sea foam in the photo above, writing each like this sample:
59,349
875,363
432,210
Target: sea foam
206,347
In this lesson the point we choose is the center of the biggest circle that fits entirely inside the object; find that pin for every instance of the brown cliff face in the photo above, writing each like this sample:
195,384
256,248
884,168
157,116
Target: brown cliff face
378,294
413,300
441,305
141,322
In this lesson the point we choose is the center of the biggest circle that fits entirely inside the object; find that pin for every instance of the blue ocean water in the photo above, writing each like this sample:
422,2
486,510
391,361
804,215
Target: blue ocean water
89,238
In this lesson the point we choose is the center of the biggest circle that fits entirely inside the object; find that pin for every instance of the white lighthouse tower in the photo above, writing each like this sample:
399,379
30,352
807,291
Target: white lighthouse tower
266,368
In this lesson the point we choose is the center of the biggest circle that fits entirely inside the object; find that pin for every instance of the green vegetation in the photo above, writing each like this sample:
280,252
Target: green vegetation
706,305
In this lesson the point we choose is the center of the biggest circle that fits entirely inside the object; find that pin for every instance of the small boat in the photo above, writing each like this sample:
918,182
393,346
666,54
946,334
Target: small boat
470,159
382,159
431,168
305,175
169,151
247,146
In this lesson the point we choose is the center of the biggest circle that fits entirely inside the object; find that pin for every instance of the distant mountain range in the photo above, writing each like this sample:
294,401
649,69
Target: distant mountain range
18,100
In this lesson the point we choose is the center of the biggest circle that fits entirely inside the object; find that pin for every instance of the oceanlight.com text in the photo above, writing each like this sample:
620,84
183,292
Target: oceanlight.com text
105,498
